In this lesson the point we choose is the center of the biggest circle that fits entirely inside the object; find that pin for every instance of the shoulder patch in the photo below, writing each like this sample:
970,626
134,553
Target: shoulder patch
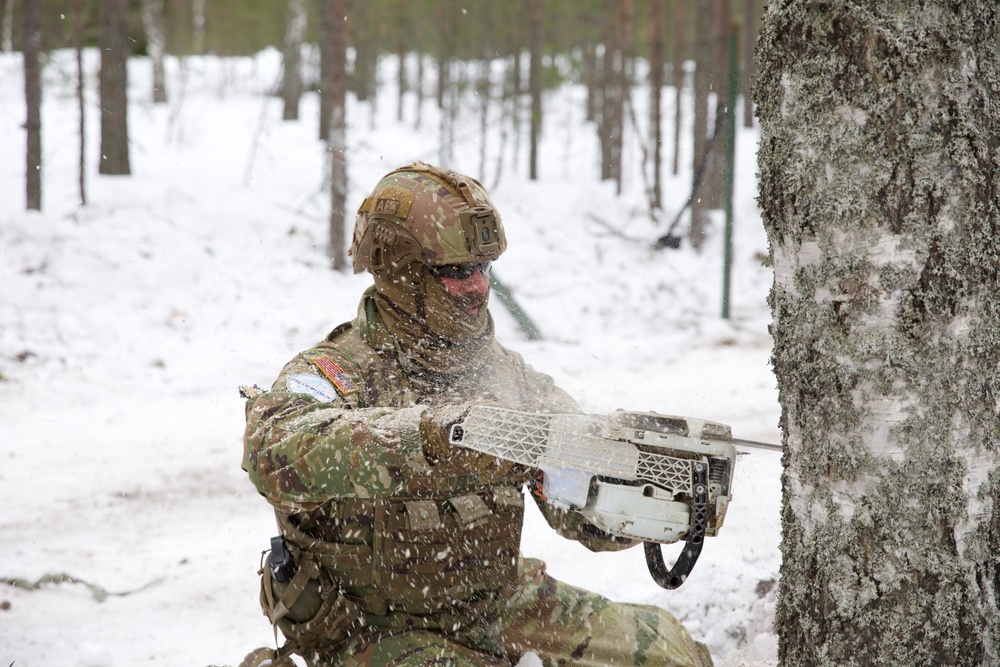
314,385
337,376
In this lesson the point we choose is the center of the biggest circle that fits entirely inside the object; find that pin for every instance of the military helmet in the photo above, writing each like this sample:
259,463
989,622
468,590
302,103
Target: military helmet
427,214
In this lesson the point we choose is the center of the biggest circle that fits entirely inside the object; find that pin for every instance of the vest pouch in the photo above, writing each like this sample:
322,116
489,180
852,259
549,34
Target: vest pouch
309,610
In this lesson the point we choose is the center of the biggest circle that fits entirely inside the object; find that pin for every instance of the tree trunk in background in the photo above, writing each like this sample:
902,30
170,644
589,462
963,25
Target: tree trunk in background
750,26
517,77
591,80
703,79
418,87
446,50
715,170
535,86
114,46
657,19
364,34
156,42
78,40
620,86
605,101
879,181
446,93
7,29
296,22
198,23
337,144
484,89
32,46
326,66
680,36
403,17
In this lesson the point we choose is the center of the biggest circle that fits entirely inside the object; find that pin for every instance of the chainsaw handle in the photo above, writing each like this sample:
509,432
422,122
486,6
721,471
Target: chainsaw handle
676,575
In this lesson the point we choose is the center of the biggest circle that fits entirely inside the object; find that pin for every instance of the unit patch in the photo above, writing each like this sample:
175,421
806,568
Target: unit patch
315,385
336,374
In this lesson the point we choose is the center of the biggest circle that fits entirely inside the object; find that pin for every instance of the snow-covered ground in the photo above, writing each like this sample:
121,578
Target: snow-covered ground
127,324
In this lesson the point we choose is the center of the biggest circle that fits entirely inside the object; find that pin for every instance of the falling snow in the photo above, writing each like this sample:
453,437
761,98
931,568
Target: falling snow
127,325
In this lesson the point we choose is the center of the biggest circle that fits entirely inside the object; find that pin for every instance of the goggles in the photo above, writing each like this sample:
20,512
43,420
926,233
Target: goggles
460,271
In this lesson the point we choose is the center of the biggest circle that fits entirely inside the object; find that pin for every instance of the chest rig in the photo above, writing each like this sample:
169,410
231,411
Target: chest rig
433,562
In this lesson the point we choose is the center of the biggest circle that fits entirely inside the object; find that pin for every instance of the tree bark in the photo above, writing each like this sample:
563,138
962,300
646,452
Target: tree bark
296,22
114,46
337,143
878,166
156,42
32,38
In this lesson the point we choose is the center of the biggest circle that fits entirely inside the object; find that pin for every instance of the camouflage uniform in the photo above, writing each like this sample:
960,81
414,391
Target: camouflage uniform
407,549
343,467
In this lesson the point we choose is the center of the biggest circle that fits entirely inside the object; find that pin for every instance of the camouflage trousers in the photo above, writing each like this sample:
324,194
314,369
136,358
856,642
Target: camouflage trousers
561,624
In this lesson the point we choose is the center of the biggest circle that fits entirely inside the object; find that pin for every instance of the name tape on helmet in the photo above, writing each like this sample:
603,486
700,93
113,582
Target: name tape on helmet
389,200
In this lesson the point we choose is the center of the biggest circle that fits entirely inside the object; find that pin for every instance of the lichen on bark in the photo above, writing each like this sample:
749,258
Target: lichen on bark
880,129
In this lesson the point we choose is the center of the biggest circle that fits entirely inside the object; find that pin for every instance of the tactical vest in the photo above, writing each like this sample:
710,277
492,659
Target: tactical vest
437,562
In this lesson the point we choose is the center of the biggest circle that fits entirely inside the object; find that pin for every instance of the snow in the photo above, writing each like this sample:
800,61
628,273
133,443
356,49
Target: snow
127,324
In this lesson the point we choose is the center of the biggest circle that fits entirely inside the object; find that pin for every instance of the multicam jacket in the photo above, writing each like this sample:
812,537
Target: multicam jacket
335,447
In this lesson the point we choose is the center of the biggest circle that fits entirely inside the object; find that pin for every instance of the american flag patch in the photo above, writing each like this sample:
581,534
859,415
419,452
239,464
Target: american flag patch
336,374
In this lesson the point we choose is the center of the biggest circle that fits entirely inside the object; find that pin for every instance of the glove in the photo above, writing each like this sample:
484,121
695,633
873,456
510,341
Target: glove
435,429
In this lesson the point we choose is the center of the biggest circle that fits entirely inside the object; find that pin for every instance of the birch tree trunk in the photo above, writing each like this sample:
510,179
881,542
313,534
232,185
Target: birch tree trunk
878,164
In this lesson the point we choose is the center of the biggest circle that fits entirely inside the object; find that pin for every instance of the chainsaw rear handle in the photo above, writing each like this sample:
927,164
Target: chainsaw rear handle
672,578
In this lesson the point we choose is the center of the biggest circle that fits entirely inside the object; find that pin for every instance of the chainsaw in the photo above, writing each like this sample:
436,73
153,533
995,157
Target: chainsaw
644,476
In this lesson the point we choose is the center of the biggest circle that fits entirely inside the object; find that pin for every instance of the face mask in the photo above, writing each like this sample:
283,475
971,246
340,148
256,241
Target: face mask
433,328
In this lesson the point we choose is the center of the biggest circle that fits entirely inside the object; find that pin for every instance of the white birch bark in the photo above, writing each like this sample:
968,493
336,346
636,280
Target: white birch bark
878,163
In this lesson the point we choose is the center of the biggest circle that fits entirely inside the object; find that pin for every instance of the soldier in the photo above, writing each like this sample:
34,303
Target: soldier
399,549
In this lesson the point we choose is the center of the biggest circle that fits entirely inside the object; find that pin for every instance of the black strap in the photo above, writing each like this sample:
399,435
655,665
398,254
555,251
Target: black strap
675,576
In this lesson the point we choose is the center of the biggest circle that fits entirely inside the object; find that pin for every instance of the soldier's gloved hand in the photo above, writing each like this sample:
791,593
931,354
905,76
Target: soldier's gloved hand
435,428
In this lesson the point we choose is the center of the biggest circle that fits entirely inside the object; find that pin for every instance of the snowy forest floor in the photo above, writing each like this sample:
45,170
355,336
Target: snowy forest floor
127,324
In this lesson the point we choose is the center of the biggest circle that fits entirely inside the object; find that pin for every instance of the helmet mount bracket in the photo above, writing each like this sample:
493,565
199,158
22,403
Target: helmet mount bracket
482,234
